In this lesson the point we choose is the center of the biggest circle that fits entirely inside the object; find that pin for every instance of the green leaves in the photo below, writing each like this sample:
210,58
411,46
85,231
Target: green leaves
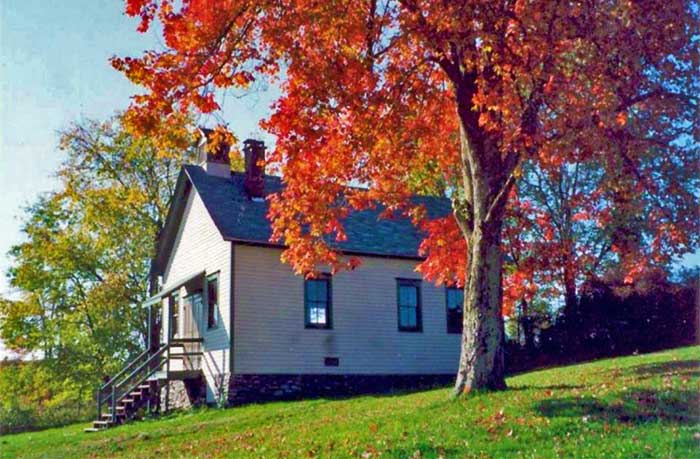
83,268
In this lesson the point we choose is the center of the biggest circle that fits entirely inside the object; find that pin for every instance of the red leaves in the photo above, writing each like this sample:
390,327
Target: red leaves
517,286
621,118
368,98
445,250
146,9
208,45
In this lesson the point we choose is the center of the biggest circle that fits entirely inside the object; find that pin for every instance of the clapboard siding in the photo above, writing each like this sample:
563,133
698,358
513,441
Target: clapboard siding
199,247
269,321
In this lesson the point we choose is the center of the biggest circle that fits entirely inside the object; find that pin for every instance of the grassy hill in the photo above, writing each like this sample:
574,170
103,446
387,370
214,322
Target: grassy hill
639,406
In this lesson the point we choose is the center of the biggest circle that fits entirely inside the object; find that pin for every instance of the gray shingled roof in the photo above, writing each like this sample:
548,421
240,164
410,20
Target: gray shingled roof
239,218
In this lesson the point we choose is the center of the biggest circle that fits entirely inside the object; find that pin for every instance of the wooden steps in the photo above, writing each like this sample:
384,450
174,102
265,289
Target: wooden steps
125,408
138,383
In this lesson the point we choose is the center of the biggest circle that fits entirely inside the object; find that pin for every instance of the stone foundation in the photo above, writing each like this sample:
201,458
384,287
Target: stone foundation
266,387
183,394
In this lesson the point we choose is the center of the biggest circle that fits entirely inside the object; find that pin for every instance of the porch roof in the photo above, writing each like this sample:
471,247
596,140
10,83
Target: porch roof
172,286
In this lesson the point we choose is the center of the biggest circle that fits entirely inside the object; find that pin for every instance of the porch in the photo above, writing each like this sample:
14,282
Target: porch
174,352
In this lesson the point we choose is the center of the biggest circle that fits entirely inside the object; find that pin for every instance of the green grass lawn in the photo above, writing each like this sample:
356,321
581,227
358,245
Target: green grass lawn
639,406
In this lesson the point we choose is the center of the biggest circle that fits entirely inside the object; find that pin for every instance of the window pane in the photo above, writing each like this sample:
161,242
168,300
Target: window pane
408,317
411,318
317,304
454,322
455,303
213,300
211,315
455,298
413,296
311,290
402,295
408,295
317,289
213,287
321,290
321,316
408,305
403,317
317,314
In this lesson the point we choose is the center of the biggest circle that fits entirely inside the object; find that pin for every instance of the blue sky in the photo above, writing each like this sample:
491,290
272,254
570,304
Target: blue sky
55,70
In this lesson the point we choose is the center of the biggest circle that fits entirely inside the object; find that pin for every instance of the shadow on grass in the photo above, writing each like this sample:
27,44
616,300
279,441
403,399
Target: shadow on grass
546,387
636,406
678,368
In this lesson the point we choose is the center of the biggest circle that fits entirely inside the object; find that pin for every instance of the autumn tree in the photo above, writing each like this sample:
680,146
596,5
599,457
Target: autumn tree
375,91
569,226
83,268
559,212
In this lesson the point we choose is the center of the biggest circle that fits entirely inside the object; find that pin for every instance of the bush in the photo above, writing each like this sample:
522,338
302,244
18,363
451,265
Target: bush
612,319
33,396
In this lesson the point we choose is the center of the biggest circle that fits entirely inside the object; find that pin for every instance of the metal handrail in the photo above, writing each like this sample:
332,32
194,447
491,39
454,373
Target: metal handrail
150,359
112,396
129,365
117,389
158,353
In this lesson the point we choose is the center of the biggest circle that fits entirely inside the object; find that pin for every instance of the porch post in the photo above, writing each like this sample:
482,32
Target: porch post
149,342
150,350
170,304
204,316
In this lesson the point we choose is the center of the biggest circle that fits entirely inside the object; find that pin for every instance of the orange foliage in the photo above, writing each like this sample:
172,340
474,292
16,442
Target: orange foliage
368,96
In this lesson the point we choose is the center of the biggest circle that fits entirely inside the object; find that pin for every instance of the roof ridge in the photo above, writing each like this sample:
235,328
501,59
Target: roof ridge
245,220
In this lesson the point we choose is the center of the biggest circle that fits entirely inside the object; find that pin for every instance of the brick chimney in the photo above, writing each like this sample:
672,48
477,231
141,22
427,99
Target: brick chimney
214,162
254,183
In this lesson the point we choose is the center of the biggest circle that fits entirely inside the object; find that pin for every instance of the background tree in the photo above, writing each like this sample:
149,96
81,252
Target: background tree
83,270
375,90
570,227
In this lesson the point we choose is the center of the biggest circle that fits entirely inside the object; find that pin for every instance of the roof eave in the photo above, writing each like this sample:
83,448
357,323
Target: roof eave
273,245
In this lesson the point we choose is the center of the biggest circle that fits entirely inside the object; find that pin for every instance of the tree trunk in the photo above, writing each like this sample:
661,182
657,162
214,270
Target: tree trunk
570,297
526,322
481,365
479,208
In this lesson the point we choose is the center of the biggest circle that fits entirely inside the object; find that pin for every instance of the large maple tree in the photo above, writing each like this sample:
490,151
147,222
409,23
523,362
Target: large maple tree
454,95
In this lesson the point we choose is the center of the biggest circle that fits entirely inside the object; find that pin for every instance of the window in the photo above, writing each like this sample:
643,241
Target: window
409,305
174,313
317,303
455,304
212,301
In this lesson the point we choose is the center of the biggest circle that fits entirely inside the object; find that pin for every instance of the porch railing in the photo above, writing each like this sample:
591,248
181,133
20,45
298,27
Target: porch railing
146,365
